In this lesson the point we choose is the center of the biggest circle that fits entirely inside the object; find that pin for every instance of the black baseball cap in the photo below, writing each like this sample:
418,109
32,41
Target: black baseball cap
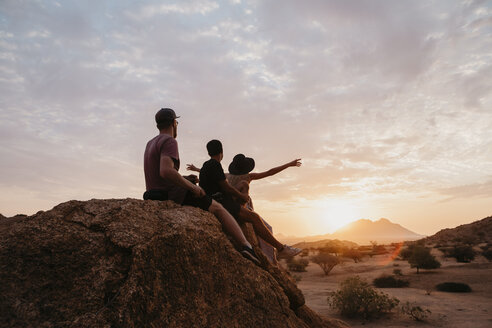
165,115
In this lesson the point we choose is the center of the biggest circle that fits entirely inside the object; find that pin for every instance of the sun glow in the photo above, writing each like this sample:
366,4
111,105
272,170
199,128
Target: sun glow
336,213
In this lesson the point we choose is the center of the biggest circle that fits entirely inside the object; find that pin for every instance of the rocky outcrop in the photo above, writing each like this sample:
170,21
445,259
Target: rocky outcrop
133,263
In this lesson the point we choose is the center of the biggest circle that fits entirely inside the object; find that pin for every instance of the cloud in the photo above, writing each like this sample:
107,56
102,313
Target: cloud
482,190
182,7
379,98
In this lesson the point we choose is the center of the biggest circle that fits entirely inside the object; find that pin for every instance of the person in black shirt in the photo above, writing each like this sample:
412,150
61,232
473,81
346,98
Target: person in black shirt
213,181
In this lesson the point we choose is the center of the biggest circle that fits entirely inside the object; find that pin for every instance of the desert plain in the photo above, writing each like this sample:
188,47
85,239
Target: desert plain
467,310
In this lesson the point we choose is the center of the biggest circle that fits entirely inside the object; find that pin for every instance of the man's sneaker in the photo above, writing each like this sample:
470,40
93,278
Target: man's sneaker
289,251
249,253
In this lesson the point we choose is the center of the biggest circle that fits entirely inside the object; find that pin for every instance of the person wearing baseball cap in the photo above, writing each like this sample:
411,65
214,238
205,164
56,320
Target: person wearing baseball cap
163,182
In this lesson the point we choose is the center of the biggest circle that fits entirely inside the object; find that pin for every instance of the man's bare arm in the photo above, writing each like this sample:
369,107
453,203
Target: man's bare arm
168,172
275,170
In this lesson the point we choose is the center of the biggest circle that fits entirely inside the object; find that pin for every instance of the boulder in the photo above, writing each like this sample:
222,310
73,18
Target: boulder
134,263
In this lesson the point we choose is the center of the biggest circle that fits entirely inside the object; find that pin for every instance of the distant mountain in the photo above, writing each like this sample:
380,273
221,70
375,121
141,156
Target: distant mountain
322,243
382,231
291,240
362,232
476,232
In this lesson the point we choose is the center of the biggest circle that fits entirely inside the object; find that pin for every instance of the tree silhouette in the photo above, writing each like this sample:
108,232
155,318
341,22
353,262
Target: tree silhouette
421,258
326,261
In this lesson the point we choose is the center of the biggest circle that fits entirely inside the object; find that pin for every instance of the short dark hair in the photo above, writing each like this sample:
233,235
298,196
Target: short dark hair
165,118
214,147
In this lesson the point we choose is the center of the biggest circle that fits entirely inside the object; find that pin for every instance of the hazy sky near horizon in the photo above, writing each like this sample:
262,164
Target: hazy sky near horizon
388,103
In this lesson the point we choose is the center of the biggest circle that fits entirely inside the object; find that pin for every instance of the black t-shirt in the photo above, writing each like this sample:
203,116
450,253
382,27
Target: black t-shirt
211,174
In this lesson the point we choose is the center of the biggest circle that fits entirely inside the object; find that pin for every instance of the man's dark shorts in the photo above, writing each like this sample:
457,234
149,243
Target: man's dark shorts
229,204
190,200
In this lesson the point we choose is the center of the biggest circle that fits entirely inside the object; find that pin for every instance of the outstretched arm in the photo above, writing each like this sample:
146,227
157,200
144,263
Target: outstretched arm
191,167
275,170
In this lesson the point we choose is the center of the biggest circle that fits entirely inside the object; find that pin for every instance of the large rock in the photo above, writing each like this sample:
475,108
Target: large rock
133,263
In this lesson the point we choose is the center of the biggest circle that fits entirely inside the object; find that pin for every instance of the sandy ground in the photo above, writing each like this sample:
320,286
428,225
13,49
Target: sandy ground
473,310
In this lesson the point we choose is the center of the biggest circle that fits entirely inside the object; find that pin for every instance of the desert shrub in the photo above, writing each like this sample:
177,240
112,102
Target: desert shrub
421,258
365,250
397,272
297,265
356,298
332,247
462,253
414,311
487,252
378,249
326,261
352,253
453,287
386,281
406,252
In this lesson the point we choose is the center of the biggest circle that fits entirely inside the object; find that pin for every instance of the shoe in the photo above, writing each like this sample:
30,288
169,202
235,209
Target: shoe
249,253
289,251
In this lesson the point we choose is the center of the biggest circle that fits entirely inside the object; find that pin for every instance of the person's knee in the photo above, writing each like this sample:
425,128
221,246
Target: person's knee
215,207
249,216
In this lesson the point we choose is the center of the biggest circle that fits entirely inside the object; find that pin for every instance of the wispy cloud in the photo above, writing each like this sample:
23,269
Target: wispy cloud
379,98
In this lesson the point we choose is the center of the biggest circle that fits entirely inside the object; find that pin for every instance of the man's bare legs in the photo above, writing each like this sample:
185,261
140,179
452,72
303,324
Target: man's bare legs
260,228
228,222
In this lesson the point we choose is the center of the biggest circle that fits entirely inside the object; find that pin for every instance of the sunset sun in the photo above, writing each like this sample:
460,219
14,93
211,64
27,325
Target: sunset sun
336,213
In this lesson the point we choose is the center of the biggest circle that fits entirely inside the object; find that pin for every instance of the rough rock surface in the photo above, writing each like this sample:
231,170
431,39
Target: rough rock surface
133,263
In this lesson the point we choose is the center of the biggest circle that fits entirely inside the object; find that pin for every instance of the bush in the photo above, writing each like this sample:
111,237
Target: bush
453,287
462,253
378,249
397,272
352,253
421,258
414,311
356,298
487,253
297,265
406,252
326,261
390,282
332,247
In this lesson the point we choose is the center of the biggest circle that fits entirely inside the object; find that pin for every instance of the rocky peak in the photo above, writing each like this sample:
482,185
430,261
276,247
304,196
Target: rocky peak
133,263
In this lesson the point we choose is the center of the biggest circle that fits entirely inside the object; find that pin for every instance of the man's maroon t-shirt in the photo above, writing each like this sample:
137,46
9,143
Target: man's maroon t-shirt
162,144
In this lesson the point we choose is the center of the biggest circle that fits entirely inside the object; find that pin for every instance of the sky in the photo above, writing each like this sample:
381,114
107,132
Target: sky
388,103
